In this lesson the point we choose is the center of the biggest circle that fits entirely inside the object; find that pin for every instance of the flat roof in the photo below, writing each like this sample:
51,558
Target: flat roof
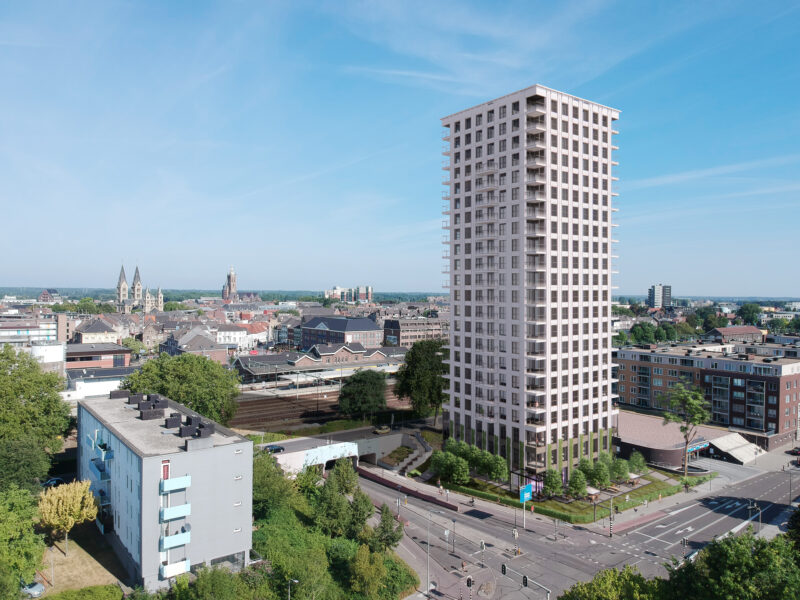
731,351
650,431
150,438
95,348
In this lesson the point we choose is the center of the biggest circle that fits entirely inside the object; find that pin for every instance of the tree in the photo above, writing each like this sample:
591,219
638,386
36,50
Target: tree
749,313
604,457
20,547
219,584
793,529
613,584
619,469
134,345
617,309
460,471
271,490
499,469
778,325
637,463
600,475
367,572
62,507
689,408
9,582
30,404
195,381
643,333
172,306
364,393
387,534
685,330
553,485
619,340
743,567
345,476
585,467
577,484
361,509
421,378
23,463
332,513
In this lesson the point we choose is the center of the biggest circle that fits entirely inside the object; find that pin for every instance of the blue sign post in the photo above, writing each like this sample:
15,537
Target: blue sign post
525,493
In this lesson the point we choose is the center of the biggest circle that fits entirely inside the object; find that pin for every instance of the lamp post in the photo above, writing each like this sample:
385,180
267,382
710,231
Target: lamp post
428,564
291,581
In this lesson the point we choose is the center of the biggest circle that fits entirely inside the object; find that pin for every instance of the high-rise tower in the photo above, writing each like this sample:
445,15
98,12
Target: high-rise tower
529,200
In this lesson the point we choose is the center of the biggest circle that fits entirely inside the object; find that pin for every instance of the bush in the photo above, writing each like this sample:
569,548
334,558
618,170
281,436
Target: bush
97,592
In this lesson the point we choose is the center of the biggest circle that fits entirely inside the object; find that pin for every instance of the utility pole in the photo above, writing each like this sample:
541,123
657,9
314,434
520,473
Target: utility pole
611,519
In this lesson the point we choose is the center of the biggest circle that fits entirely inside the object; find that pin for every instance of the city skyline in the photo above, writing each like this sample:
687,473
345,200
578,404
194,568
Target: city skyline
170,129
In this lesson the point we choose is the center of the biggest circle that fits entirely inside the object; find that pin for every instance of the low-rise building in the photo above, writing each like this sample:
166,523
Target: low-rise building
405,332
735,333
174,489
341,330
752,388
96,331
97,356
232,335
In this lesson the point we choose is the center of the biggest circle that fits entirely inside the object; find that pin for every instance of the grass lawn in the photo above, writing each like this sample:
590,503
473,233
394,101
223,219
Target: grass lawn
90,561
433,438
398,455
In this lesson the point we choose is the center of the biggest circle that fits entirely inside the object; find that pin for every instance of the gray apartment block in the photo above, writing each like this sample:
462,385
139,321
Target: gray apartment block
175,489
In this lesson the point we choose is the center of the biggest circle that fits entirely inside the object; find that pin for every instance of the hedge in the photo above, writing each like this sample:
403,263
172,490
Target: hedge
97,592
602,511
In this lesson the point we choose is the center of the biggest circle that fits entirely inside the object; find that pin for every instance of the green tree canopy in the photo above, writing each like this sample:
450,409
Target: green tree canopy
553,485
637,463
363,393
749,313
613,584
577,484
388,533
689,408
421,378
601,477
643,333
271,490
30,404
20,548
134,345
23,463
61,507
172,306
619,469
195,381
368,572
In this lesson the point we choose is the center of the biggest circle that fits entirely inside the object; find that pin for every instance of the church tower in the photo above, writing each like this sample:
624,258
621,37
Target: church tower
122,287
137,288
148,301
160,301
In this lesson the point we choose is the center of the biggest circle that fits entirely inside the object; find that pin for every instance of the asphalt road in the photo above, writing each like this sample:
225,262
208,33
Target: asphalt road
558,556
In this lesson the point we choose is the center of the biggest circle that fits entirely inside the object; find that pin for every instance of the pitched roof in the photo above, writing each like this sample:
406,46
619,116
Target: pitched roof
326,349
136,278
121,279
342,324
95,326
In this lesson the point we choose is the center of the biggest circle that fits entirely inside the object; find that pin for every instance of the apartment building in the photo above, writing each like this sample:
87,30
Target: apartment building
341,330
529,202
405,332
659,296
752,388
174,489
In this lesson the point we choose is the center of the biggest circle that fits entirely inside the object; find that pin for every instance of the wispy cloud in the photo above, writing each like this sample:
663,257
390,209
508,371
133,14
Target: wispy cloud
695,174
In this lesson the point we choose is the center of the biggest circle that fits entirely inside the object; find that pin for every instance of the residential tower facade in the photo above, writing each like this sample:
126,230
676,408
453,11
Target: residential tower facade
528,247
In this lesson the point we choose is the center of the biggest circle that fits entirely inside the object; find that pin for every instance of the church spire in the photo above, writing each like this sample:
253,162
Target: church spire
121,279
136,278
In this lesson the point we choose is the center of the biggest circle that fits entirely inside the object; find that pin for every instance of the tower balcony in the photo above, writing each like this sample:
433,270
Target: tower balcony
536,108
174,569
174,484
169,513
173,541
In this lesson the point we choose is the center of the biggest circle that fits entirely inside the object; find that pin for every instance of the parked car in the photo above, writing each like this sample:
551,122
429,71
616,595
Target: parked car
382,429
275,449
53,481
795,451
31,590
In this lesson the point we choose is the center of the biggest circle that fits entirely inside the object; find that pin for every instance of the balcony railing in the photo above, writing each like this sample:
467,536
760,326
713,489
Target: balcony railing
98,470
173,541
168,513
174,569
103,451
175,483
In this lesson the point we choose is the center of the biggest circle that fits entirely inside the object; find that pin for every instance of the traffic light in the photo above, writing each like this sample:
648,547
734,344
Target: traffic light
524,581
469,581
503,568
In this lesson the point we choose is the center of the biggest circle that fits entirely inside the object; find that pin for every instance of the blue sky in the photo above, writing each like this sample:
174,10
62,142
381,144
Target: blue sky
300,141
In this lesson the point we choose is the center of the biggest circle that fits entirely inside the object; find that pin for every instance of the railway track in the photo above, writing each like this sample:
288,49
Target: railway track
275,412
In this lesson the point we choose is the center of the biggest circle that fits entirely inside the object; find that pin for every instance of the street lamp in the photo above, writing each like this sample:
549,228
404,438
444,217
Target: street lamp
291,581
428,564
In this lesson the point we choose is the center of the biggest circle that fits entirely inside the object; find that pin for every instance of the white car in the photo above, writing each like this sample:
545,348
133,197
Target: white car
32,590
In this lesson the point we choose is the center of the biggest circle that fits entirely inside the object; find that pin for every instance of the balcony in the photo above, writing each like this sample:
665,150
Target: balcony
538,424
538,125
103,451
173,541
175,483
535,196
174,569
536,142
180,511
98,471
536,108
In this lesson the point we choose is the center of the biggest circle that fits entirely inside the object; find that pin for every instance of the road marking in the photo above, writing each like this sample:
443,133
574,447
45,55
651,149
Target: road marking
675,512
